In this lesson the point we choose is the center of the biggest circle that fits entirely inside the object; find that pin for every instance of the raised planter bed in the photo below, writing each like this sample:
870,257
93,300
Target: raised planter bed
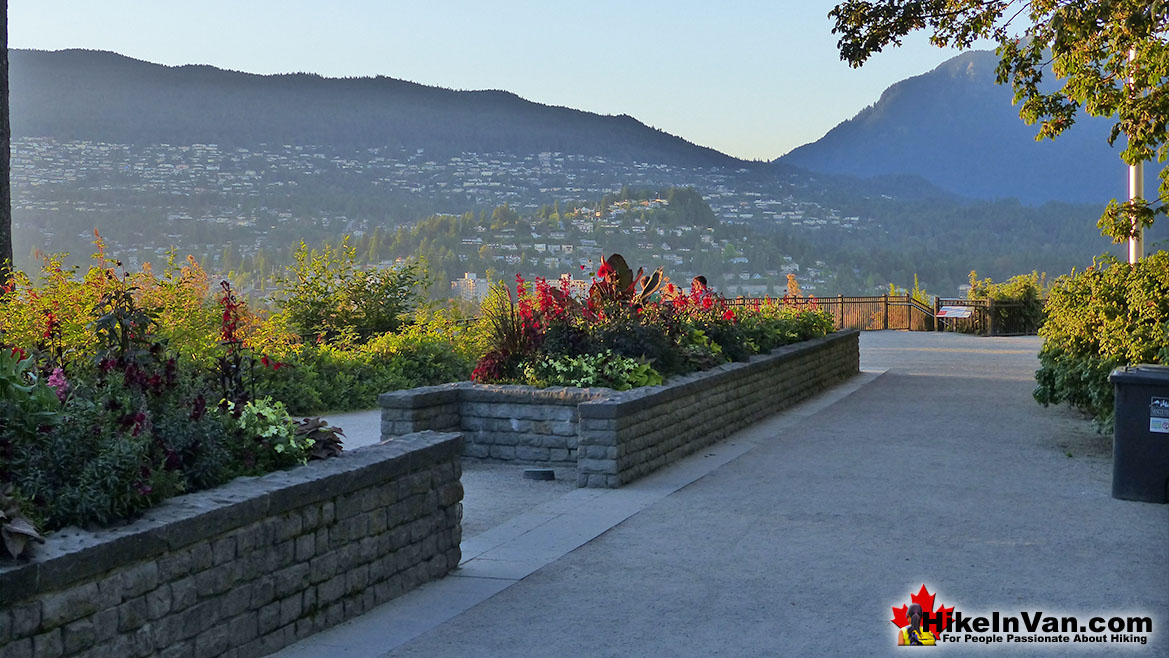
247,568
616,437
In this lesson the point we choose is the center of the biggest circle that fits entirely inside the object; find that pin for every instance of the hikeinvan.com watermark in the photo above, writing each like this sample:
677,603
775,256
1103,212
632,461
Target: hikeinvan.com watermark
919,623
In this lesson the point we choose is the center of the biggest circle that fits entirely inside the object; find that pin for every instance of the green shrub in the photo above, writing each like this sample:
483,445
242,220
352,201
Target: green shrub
98,466
268,439
322,377
195,444
27,403
315,378
1021,297
55,313
606,369
1110,315
767,326
434,351
634,340
326,296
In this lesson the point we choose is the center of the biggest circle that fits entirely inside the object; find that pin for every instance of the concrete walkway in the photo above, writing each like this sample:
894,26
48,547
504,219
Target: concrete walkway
797,536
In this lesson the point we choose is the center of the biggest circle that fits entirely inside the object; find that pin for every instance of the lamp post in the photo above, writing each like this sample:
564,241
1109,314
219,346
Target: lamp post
1136,183
1136,190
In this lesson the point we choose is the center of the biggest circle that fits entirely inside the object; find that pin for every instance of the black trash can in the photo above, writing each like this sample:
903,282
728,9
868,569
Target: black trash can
1140,444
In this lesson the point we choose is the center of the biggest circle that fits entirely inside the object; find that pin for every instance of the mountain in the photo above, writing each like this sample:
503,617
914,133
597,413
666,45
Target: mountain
957,129
102,96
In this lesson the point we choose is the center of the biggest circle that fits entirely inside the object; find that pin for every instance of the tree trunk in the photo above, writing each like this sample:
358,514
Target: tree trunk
5,154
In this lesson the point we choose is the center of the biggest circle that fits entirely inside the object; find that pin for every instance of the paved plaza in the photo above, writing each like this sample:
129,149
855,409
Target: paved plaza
797,536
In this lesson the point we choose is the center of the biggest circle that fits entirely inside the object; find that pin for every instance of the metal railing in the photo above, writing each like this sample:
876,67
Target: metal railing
903,312
989,317
867,313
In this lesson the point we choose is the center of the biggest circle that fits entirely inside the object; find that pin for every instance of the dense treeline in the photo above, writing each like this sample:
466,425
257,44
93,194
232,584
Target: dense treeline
939,240
943,238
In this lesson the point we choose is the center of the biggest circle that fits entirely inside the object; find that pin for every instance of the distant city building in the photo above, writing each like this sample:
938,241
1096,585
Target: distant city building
470,288
576,287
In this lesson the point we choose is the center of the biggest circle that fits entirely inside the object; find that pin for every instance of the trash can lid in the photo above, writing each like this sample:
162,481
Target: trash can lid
1145,373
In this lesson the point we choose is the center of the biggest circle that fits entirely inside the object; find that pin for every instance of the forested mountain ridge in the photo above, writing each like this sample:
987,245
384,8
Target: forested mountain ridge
958,129
103,96
952,127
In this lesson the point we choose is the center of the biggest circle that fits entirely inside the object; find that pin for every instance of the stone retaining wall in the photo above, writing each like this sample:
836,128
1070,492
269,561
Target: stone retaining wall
247,568
521,424
627,436
499,423
616,437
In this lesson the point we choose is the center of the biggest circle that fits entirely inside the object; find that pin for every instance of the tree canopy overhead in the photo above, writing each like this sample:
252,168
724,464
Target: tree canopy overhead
1110,58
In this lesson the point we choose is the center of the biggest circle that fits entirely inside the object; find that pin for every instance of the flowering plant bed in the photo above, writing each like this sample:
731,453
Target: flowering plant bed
120,389
629,330
251,566
114,430
615,437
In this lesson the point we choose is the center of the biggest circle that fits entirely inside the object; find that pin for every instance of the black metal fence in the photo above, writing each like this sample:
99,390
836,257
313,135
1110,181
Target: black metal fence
869,313
903,312
986,317
992,318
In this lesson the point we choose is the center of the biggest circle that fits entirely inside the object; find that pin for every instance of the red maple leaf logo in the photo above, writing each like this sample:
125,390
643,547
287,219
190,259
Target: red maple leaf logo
926,601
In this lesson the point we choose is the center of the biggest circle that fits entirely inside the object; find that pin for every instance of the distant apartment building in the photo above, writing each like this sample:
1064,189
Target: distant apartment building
576,287
470,288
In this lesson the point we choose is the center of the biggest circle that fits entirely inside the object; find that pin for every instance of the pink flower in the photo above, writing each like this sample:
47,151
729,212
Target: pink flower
58,383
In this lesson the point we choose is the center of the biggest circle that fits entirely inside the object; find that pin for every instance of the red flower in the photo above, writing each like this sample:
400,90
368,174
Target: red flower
50,324
604,270
728,314
138,421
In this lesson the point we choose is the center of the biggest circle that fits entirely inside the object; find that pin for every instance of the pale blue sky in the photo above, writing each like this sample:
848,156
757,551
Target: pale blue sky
752,78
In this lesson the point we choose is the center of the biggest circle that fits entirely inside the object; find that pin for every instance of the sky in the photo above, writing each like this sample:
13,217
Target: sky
751,78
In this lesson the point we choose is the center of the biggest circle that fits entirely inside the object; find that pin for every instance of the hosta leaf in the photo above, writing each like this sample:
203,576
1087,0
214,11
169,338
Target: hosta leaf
16,535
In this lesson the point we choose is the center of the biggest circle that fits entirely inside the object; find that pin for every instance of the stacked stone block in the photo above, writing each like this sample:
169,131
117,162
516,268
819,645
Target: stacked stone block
245,569
615,438
521,424
419,409
628,436
517,424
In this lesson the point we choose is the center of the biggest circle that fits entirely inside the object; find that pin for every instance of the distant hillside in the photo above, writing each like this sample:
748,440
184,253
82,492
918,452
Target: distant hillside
80,94
957,129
